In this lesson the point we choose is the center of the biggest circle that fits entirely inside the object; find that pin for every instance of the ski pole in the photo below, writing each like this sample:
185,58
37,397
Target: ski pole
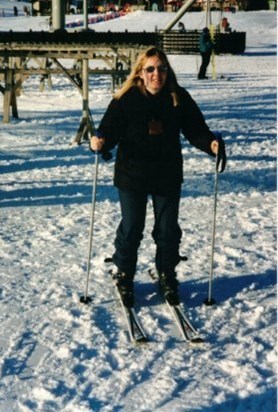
210,301
86,299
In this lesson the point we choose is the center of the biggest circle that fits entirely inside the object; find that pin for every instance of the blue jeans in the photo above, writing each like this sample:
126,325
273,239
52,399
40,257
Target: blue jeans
166,232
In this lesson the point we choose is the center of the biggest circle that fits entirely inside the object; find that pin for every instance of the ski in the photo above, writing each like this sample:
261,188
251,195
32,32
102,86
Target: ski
134,326
135,329
179,316
185,327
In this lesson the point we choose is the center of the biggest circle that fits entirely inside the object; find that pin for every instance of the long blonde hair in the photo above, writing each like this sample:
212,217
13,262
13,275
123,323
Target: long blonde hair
135,80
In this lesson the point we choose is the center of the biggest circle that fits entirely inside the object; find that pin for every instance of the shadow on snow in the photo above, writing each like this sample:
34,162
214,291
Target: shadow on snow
58,192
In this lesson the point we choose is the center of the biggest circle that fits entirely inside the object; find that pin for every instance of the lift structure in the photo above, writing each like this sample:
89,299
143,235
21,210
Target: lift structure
46,53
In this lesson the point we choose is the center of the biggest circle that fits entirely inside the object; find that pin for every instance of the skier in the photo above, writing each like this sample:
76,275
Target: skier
205,47
144,119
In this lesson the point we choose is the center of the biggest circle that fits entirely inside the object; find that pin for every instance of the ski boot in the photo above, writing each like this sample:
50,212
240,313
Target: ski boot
169,286
124,284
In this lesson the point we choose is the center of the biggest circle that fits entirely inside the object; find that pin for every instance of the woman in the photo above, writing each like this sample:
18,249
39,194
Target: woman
144,119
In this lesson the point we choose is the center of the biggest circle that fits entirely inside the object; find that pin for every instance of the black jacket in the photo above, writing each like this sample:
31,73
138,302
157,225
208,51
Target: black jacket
152,161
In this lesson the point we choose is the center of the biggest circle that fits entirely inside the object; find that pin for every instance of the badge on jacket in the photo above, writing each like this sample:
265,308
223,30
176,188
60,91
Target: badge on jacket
155,127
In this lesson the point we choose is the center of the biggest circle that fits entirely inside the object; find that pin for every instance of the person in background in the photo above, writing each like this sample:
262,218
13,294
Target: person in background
144,120
205,47
181,27
225,25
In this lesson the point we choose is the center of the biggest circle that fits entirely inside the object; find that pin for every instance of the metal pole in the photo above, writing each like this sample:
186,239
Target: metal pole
86,298
86,114
58,14
208,14
210,301
85,12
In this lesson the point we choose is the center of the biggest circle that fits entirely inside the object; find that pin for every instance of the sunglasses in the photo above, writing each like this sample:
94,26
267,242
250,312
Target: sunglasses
160,69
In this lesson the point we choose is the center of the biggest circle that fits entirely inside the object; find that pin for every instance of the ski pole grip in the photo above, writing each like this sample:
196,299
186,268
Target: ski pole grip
98,135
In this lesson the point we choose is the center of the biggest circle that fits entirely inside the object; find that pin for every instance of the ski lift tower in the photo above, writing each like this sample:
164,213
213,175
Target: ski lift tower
208,14
85,11
58,14
179,14
183,10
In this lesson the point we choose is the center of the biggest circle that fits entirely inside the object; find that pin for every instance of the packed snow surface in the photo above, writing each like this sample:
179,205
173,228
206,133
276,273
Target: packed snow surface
60,355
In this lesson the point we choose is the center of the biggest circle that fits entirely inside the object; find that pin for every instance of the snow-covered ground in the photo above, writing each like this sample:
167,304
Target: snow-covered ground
59,355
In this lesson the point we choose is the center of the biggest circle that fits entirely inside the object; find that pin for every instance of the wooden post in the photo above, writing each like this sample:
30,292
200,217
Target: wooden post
87,124
45,65
7,95
14,102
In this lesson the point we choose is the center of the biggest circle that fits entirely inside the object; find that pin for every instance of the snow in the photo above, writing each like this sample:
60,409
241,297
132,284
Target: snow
60,355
